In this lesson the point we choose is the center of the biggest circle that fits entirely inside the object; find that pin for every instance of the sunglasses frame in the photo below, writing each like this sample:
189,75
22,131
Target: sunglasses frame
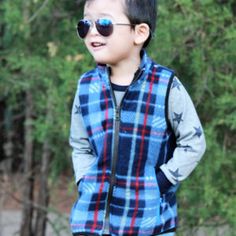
99,27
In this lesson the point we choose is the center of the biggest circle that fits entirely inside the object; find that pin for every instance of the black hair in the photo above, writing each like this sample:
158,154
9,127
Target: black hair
142,11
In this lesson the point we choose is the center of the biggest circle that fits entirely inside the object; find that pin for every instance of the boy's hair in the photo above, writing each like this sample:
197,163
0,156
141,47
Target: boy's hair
141,11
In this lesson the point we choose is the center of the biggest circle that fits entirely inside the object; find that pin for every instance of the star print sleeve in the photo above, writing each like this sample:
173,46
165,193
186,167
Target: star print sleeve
82,153
190,140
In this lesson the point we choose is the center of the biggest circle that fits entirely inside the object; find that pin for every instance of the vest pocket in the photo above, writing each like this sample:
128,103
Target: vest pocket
135,206
89,210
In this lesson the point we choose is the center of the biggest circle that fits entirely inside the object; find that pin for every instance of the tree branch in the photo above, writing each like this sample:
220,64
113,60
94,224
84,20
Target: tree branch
37,12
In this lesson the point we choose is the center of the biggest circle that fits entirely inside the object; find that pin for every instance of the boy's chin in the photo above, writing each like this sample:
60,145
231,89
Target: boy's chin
100,61
106,60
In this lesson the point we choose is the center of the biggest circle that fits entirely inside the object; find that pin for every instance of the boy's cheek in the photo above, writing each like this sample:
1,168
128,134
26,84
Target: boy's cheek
86,43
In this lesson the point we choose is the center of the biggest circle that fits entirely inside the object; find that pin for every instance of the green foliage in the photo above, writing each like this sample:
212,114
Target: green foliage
197,39
40,52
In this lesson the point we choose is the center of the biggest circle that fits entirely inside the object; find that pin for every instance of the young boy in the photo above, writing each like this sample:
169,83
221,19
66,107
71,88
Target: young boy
134,131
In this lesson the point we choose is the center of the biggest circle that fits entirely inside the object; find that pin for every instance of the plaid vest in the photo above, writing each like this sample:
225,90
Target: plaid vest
130,142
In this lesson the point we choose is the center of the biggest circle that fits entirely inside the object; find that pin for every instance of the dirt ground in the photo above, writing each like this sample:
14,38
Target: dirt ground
62,195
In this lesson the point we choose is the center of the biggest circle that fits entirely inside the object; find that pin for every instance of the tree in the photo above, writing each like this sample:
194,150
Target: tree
197,39
39,76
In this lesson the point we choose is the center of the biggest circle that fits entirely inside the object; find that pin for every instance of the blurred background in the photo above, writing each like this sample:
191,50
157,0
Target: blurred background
41,60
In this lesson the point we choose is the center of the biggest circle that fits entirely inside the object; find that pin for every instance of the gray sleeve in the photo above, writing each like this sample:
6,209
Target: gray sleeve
189,134
82,153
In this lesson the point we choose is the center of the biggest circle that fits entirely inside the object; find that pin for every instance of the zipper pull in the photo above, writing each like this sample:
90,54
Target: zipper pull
117,113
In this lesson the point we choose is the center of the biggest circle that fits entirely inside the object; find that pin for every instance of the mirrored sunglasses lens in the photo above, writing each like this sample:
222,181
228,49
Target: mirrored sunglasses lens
83,28
104,27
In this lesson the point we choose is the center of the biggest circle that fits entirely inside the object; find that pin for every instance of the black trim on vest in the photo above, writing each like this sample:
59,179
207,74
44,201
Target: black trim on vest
167,99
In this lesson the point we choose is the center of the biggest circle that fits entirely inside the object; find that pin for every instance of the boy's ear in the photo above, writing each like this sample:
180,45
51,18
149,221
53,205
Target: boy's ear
142,32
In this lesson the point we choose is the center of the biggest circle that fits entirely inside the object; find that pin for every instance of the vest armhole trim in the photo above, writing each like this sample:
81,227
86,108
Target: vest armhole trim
167,99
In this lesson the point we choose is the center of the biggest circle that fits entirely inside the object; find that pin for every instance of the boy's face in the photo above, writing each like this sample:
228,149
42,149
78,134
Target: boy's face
116,47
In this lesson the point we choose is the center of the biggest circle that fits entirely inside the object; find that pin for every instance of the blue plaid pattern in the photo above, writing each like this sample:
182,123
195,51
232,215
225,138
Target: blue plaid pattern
145,142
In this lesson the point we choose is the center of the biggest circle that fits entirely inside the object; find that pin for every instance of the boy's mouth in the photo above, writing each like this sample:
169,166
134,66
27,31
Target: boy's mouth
97,44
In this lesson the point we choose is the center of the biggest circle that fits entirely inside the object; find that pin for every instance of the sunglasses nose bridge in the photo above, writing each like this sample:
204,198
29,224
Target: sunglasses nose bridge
93,28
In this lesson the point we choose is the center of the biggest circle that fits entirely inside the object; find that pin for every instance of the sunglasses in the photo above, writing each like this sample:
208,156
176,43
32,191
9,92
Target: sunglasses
103,26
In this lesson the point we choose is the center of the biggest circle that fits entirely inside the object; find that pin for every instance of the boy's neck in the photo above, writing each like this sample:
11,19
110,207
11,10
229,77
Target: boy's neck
123,73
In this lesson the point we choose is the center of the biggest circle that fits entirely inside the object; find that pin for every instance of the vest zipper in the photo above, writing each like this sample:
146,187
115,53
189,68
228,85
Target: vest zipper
114,160
116,144
115,152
